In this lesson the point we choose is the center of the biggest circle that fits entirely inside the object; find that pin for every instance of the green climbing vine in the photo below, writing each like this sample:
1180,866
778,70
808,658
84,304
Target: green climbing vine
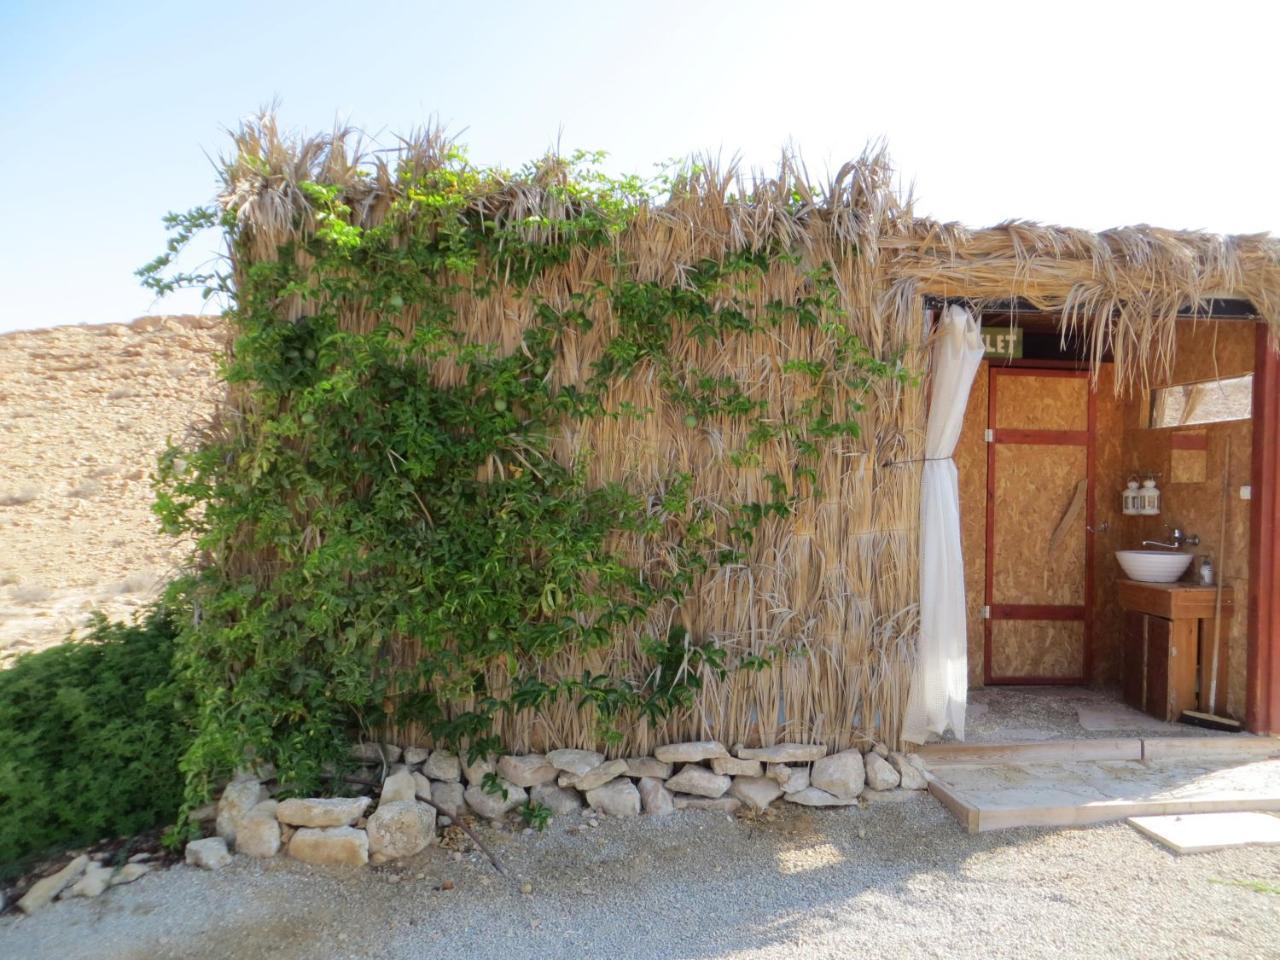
362,504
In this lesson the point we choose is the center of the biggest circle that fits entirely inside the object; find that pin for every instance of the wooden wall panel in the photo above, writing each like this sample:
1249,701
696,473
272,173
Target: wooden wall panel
1035,486
1037,648
971,463
1042,403
1205,351
1109,534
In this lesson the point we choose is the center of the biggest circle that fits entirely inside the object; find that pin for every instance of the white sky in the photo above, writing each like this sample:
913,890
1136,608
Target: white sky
1086,114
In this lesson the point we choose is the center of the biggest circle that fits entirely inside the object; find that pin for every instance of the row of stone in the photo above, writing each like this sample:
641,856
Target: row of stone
709,776
84,876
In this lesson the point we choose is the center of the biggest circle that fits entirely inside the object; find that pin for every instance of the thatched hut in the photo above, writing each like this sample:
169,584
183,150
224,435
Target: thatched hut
827,596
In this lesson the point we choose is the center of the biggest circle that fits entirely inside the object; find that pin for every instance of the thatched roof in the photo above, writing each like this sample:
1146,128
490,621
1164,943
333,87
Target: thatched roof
833,588
1121,288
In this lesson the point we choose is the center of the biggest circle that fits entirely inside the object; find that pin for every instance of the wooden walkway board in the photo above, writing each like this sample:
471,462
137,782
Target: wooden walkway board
1076,793
1101,748
1201,832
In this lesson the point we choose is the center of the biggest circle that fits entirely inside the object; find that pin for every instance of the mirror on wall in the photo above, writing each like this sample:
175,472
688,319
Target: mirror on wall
1206,401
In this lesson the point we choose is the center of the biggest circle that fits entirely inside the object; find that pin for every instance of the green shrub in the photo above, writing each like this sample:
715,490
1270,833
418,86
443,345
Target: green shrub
90,736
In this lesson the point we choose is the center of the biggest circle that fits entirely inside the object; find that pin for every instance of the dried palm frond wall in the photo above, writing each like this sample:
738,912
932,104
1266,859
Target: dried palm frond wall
831,592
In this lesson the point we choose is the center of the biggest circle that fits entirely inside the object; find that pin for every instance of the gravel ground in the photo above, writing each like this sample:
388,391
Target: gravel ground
700,885
1012,714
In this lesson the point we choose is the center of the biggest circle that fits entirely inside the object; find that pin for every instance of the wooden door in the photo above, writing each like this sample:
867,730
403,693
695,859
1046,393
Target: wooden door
1039,576
1133,666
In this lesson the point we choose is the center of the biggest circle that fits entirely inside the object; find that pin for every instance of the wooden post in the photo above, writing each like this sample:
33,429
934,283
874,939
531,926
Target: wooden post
1262,702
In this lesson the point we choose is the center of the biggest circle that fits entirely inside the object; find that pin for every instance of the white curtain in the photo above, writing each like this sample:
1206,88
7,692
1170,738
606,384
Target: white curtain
940,683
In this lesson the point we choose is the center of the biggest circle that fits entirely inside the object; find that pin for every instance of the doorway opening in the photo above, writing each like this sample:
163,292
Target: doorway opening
1044,456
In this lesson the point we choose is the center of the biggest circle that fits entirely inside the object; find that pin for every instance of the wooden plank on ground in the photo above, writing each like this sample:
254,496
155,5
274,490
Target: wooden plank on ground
1040,751
955,802
1102,811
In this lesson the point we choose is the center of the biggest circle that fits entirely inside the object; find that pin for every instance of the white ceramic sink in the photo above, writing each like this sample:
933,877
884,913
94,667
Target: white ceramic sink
1153,566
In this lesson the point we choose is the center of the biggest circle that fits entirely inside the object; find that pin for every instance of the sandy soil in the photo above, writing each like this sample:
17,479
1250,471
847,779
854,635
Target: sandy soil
83,412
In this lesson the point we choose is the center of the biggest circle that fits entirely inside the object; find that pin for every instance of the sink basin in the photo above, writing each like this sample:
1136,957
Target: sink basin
1153,566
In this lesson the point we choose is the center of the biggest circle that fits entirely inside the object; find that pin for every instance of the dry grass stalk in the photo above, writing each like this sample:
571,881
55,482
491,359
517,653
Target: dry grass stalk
830,593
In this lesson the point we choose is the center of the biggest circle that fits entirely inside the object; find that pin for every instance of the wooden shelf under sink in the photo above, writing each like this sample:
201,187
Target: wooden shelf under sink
1174,601
1168,646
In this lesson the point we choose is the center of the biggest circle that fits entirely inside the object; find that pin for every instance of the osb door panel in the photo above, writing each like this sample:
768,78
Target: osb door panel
1039,510
1134,666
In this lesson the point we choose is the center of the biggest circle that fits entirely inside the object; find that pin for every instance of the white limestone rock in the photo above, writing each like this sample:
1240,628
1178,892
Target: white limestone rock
210,853
476,772
400,829
529,770
576,762
321,811
638,767
910,771
599,775
617,798
699,781
880,773
415,756
43,891
655,798
238,798
492,806
791,779
784,753
450,797
692,752
95,879
442,765
843,774
259,832
421,786
880,750
756,792
813,797
718,804
399,786
733,767
560,801
330,846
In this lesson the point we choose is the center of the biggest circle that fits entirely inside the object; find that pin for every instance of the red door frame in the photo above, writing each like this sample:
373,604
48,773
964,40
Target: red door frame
1262,698
1083,438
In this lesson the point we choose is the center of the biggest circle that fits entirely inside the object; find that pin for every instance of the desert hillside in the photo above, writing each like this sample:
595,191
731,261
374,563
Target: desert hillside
83,412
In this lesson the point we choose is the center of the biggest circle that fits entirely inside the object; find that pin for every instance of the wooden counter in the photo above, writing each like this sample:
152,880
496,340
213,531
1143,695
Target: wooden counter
1168,646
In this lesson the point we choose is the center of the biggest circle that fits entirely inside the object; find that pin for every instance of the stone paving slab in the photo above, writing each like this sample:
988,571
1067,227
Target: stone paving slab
1201,832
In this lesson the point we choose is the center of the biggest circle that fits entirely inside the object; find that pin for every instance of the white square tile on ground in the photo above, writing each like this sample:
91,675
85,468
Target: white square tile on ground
1200,832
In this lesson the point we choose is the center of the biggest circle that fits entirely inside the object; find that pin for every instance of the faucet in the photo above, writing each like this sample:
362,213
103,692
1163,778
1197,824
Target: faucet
1180,540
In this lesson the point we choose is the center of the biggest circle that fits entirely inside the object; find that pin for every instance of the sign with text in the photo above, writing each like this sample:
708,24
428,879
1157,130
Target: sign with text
1002,343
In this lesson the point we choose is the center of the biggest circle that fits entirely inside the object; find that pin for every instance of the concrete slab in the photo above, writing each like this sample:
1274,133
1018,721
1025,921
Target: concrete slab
1237,746
1075,793
1201,832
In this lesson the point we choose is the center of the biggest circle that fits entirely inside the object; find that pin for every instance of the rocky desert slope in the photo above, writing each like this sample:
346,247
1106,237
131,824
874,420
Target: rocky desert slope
84,411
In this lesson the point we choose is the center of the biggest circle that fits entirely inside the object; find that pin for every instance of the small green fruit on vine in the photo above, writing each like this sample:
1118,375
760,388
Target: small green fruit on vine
500,405
690,421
